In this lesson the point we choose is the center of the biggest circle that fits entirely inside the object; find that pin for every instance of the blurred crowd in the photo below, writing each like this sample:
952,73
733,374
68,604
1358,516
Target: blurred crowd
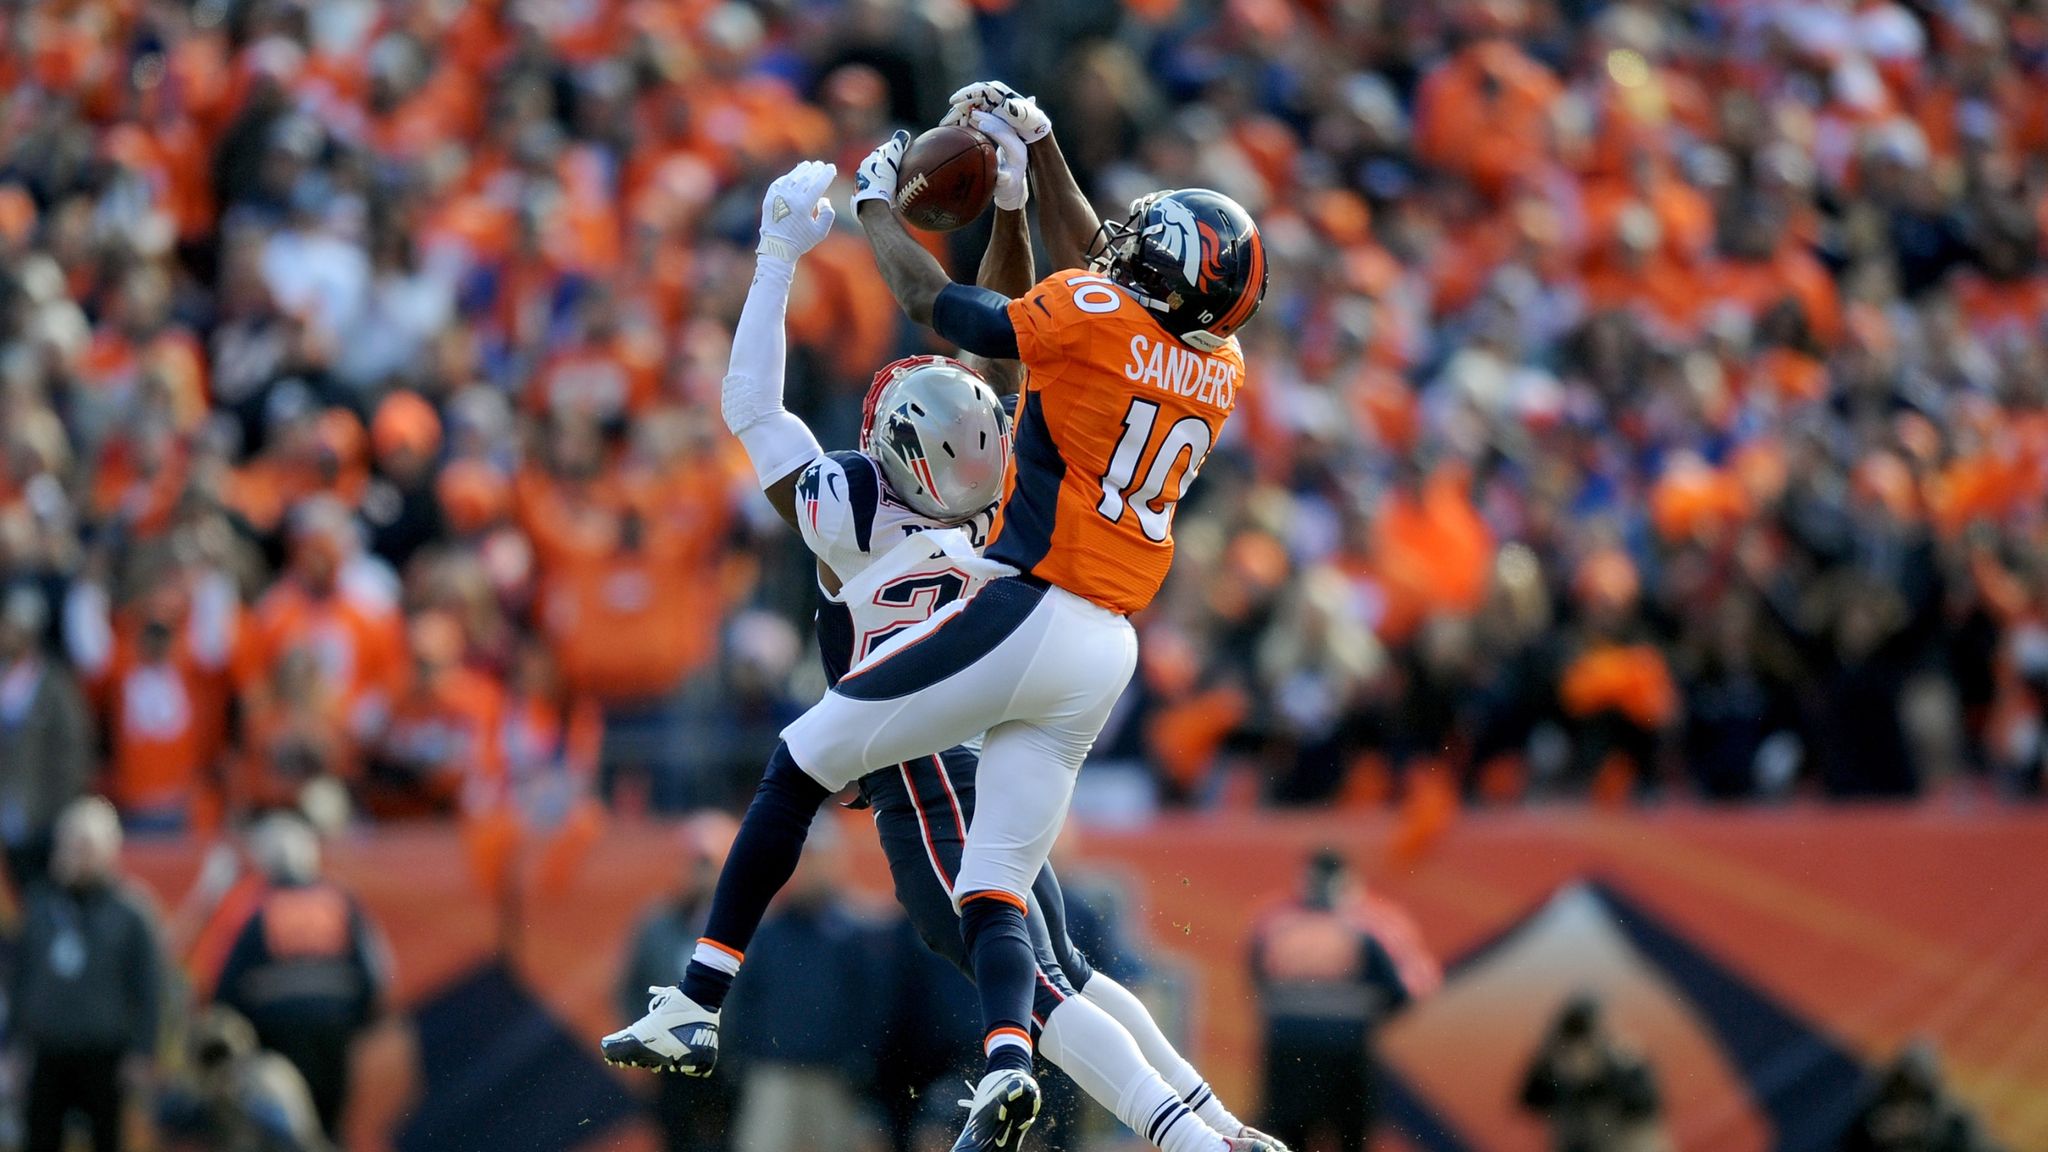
1650,396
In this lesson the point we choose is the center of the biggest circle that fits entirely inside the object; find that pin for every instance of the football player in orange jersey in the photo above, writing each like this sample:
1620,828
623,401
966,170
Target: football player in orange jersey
855,511
1132,369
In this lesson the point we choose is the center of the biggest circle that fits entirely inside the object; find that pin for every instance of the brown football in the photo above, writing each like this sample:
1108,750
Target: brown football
947,178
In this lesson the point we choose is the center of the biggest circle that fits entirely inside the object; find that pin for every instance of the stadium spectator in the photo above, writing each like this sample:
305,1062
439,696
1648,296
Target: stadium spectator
306,967
332,606
543,793
236,1097
157,672
399,506
694,1115
631,583
1325,981
1596,1095
294,733
45,736
1909,1108
440,746
87,989
809,1036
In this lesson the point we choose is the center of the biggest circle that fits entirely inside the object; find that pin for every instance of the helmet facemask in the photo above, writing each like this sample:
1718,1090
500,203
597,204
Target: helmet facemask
1114,251
1130,253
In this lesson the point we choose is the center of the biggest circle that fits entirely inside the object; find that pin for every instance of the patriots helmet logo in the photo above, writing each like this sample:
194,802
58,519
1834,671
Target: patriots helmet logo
902,438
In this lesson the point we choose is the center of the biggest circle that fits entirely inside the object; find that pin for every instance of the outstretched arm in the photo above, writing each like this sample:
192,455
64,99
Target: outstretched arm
1065,218
794,217
1006,265
971,316
913,276
1006,269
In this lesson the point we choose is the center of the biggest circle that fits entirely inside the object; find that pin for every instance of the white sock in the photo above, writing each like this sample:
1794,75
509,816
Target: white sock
1092,1048
1126,1009
716,957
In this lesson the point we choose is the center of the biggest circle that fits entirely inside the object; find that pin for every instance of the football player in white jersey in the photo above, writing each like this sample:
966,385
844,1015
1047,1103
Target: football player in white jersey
896,529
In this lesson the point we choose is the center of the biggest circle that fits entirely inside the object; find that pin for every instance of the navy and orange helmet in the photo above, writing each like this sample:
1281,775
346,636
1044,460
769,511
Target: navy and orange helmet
1191,256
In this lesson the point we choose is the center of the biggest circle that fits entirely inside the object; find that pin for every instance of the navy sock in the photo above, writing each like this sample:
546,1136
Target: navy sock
999,947
764,854
706,985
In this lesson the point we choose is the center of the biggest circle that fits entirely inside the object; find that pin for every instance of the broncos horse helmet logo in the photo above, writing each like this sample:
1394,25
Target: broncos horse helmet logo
1190,241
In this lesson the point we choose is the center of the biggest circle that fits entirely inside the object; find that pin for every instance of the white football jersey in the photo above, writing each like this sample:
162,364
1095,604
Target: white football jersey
895,566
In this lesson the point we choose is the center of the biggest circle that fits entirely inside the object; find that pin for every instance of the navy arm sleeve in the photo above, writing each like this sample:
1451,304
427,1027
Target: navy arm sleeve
976,319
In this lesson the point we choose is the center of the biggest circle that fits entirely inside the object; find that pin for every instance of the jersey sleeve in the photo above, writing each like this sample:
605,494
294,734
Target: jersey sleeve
836,500
1044,319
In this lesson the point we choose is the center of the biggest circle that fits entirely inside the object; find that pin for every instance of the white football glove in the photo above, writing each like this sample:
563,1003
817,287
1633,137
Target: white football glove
795,214
876,179
1013,161
1021,112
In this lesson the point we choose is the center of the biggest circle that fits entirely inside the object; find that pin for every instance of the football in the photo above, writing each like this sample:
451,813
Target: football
947,178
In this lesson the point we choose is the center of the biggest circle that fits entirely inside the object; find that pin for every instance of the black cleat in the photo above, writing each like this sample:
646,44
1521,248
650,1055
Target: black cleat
1004,1106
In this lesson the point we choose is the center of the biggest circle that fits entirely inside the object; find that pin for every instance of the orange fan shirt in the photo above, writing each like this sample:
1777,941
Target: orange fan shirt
447,729
1117,416
607,381
165,718
358,650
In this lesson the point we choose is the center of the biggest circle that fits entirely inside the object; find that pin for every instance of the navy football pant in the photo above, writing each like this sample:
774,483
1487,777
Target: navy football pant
921,811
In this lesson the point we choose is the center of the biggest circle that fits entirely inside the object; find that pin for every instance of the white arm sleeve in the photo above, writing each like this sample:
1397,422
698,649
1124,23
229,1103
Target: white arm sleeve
777,441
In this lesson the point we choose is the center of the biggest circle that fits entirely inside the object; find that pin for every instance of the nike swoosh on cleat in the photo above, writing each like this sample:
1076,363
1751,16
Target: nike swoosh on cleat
694,1035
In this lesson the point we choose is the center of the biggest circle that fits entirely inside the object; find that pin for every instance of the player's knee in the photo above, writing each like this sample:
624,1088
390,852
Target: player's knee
990,914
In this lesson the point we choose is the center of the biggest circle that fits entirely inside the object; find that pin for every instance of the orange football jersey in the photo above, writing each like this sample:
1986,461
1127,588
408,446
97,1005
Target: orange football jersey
1116,418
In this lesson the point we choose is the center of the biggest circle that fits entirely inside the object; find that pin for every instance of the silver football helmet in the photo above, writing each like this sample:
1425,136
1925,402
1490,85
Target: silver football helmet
940,435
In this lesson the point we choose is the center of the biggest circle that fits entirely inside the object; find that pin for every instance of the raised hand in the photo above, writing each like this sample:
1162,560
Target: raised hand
795,214
1013,160
1019,111
876,179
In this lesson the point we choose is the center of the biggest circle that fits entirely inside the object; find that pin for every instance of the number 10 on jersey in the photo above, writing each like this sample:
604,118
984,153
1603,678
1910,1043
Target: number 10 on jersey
1168,469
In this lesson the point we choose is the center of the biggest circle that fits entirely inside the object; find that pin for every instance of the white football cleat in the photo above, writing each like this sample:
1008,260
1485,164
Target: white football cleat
1004,1106
677,1035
